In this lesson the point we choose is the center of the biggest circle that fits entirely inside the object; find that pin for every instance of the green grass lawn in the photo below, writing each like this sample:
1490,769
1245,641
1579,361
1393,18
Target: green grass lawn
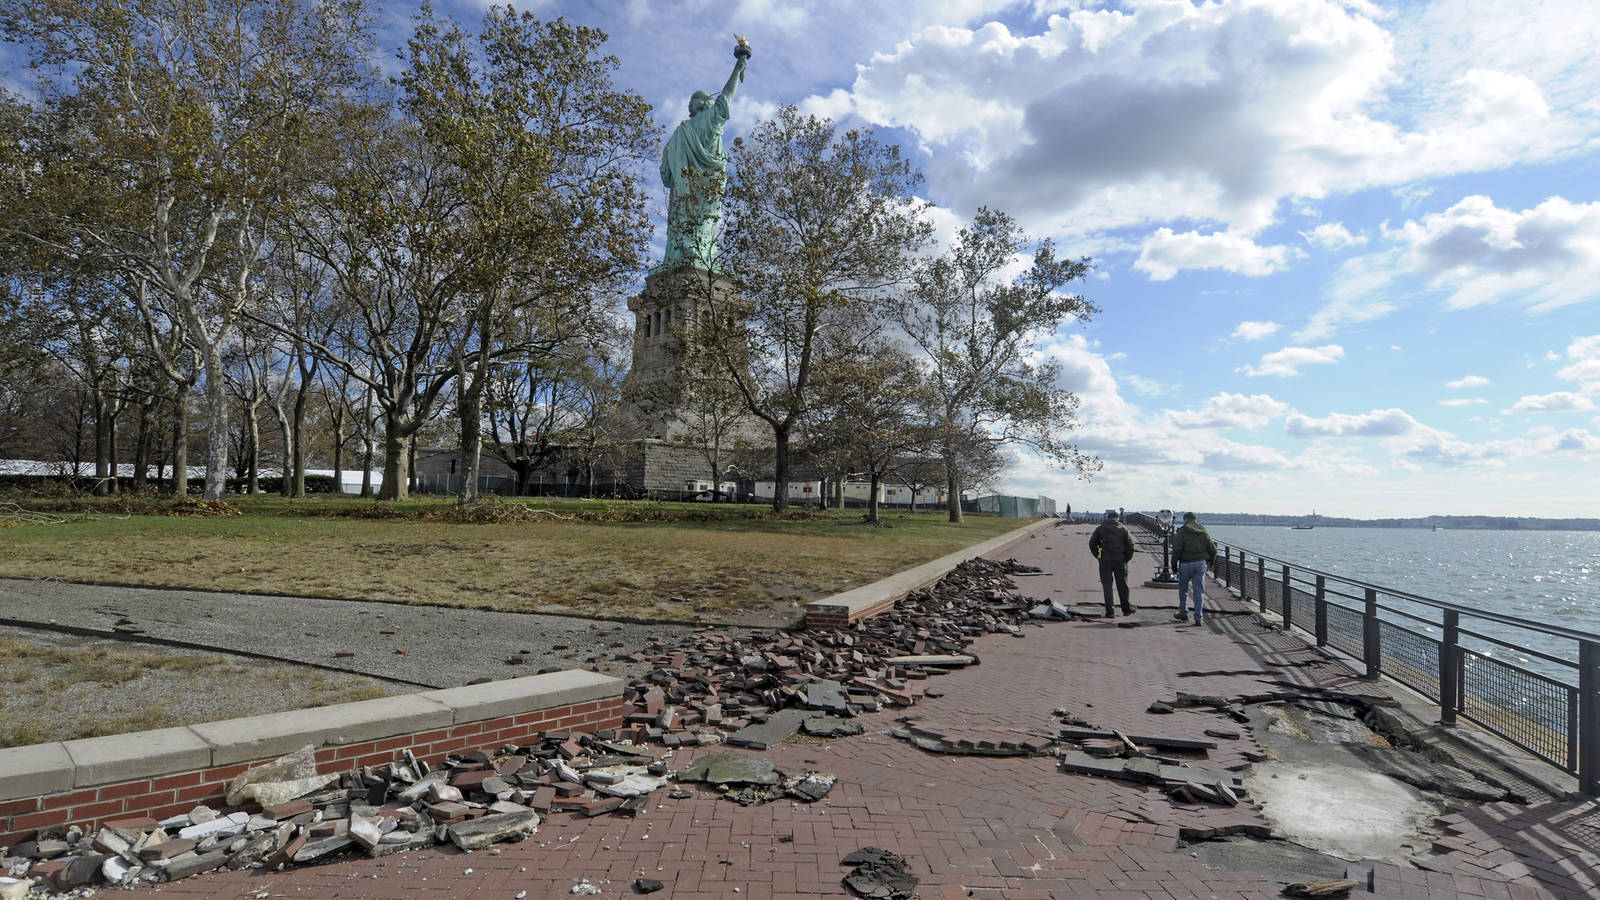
672,562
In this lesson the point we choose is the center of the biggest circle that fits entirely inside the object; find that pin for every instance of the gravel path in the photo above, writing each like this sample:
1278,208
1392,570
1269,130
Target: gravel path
443,647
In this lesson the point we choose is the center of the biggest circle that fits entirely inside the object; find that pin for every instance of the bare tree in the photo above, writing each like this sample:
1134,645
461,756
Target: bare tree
189,114
977,328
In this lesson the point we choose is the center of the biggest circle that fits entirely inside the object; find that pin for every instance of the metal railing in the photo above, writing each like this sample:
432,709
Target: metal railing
1423,644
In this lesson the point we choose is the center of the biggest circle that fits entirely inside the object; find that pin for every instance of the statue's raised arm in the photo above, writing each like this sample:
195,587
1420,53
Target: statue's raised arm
693,168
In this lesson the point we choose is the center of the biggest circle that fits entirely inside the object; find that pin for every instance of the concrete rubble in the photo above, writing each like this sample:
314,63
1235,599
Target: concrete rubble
711,688
472,801
749,691
879,874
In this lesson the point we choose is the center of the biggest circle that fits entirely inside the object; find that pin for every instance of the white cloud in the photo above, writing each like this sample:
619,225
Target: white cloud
1544,257
1584,367
1379,423
1227,410
1164,254
1464,401
1289,360
1360,291
1148,387
1558,401
1573,440
1333,236
1255,331
1232,457
1467,381
1220,112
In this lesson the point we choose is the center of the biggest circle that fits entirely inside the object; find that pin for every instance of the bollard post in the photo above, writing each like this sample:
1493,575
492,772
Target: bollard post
1322,611
1588,735
1261,583
1450,668
1288,601
1369,636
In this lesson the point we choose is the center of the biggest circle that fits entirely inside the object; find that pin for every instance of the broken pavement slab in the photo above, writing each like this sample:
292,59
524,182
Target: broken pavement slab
480,833
778,726
728,767
879,874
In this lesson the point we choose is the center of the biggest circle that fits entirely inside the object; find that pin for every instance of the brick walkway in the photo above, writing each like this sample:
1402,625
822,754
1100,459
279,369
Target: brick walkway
980,826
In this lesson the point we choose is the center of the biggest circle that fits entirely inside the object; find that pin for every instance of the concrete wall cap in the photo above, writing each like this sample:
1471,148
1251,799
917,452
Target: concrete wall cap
34,770
274,734
513,696
123,757
857,600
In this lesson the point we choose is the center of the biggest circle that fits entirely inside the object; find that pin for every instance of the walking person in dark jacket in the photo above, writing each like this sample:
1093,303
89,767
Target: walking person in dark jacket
1113,546
1193,550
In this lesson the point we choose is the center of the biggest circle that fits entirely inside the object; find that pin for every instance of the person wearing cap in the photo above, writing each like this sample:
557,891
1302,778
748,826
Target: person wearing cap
1113,546
1193,550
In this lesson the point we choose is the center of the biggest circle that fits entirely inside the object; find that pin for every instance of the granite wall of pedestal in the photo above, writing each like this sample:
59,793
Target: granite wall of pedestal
172,770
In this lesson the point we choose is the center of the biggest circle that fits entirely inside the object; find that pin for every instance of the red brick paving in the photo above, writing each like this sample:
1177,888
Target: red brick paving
977,826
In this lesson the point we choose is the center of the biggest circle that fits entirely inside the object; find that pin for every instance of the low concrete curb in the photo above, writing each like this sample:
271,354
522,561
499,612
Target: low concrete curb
871,599
172,769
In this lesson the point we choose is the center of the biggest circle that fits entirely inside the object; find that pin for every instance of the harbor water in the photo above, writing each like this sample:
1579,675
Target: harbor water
1545,577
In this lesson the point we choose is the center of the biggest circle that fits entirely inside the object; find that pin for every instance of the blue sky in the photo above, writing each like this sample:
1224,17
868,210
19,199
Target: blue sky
1348,252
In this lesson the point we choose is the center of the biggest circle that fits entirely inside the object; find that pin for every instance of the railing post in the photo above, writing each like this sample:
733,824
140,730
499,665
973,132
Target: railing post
1450,668
1588,736
1288,603
1322,611
1261,583
1227,567
1369,635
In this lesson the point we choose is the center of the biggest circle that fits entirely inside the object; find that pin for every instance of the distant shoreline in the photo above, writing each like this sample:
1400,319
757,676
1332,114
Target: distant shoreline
1453,523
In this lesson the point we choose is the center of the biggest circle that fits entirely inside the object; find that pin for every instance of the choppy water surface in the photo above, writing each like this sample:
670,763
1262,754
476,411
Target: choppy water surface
1549,577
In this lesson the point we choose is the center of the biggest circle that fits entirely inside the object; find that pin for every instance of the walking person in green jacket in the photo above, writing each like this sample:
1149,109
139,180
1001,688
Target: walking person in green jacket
1113,546
1193,549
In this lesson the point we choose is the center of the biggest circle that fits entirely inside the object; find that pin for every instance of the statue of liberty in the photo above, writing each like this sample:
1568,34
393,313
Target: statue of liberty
693,168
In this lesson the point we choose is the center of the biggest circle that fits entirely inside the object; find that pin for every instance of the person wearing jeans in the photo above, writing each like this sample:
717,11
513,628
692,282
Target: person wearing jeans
1194,550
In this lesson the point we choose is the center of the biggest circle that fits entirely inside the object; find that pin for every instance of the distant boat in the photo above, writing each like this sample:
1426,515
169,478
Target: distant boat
1305,527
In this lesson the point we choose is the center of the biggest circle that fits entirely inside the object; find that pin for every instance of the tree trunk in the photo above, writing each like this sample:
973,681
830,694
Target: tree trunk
253,422
216,395
413,479
953,498
285,434
141,448
102,440
366,443
114,486
366,468
469,404
298,426
338,448
397,449
839,500
780,468
180,443
872,497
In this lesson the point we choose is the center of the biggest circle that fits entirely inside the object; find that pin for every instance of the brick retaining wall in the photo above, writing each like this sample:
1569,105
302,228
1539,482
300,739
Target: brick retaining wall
154,773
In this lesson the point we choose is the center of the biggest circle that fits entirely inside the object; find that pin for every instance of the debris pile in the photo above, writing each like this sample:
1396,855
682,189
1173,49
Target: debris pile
1139,758
715,686
709,689
288,813
879,874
